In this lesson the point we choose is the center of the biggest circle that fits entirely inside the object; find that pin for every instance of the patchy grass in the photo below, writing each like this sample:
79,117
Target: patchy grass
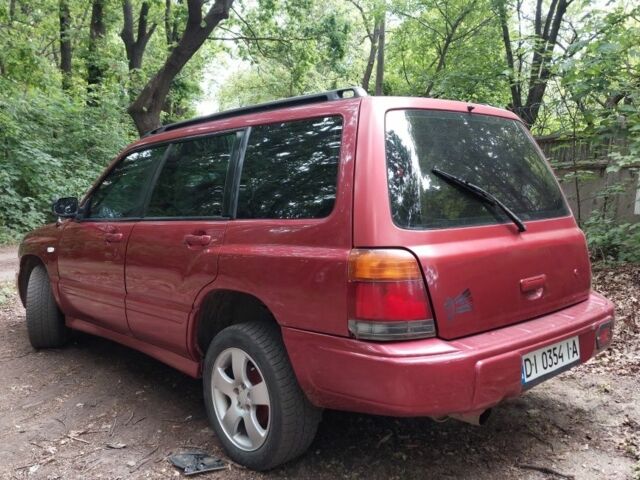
7,293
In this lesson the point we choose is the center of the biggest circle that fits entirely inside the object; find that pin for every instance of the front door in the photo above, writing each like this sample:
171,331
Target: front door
173,250
92,250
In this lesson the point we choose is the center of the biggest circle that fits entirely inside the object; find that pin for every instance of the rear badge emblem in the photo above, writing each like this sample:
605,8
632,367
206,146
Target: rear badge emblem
459,304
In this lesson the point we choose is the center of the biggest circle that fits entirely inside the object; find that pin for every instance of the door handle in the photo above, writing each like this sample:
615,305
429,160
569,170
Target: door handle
197,240
113,237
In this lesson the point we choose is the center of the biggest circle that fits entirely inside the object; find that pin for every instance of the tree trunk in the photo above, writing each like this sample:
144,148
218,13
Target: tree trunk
545,38
170,26
145,110
97,31
12,10
380,66
373,40
135,47
65,44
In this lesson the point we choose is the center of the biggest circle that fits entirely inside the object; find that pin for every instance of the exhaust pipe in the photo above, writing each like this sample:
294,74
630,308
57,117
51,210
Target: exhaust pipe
474,418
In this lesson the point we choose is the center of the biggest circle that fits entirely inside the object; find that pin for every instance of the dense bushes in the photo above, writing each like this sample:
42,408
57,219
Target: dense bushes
51,145
609,241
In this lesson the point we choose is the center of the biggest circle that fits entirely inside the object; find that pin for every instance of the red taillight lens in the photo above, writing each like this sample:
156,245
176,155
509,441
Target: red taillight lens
391,301
389,298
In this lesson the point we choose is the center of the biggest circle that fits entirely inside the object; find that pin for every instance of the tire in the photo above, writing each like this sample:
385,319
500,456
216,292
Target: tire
45,321
291,422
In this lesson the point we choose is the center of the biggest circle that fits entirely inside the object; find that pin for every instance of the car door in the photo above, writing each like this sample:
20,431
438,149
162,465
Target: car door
173,250
91,252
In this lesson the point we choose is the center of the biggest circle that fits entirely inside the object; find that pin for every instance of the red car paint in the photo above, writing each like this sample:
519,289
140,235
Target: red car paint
143,282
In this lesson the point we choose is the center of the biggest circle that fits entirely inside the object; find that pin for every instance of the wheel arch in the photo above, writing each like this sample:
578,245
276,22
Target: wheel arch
27,263
222,308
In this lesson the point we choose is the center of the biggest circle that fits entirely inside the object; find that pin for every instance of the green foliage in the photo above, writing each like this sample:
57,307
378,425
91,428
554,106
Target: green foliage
611,242
449,51
54,141
289,48
50,146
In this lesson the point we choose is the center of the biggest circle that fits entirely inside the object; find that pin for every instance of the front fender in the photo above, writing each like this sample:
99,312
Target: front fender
40,246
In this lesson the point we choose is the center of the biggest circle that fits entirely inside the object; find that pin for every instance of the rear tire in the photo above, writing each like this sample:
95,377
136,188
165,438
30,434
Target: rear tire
290,423
45,321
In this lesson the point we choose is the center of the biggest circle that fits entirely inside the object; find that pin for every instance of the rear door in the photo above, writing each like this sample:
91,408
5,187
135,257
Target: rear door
173,250
92,249
481,272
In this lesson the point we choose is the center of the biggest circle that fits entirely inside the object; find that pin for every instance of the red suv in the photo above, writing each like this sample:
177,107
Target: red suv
394,256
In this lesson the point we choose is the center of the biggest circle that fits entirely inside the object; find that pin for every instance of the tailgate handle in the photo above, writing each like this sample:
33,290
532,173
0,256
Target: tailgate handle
532,283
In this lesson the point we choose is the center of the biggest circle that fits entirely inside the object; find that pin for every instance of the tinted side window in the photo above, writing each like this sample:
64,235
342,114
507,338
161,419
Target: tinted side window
290,169
192,180
121,193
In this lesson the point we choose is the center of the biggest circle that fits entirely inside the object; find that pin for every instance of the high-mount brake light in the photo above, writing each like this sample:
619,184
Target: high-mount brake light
388,296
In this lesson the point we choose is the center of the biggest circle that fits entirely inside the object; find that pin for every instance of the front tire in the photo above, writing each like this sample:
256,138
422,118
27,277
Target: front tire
45,321
253,399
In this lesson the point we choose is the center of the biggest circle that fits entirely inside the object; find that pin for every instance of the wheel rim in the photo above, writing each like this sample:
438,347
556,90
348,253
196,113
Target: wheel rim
241,399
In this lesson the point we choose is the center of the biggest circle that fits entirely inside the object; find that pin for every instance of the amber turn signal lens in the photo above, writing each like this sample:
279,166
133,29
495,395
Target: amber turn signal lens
383,265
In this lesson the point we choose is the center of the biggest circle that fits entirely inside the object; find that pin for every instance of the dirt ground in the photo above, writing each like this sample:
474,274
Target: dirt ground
8,263
98,410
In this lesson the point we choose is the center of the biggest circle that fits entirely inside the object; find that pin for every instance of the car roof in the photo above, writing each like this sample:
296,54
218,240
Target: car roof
350,95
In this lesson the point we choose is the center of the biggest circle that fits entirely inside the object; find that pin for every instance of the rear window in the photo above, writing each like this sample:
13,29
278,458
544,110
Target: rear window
290,169
493,153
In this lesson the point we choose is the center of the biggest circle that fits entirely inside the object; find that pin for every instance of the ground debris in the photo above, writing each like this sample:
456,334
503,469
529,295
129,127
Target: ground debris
547,470
193,463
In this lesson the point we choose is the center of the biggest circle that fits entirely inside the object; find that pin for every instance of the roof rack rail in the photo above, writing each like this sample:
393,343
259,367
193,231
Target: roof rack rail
339,94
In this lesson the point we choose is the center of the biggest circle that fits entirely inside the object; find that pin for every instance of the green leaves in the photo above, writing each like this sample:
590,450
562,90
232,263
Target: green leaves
51,145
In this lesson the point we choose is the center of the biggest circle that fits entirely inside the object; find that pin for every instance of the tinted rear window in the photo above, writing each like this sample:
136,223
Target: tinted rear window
491,152
290,169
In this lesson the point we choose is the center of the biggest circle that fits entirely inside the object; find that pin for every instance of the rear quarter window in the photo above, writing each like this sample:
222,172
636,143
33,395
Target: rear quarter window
493,153
290,169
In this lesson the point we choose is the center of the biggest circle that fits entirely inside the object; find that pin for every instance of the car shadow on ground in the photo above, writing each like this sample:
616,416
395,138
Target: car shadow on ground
347,444
146,404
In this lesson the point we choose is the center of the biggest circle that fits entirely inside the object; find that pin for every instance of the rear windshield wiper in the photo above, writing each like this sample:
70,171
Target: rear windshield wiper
480,193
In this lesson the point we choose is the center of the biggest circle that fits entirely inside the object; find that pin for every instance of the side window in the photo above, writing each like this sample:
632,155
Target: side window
290,169
121,193
191,183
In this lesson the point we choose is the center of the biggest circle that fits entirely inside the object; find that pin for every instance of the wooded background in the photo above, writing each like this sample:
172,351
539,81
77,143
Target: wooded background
81,79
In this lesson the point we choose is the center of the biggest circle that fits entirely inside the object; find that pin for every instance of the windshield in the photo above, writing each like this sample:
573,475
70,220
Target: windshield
493,153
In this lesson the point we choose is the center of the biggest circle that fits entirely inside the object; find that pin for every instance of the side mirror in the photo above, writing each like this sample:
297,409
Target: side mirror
66,207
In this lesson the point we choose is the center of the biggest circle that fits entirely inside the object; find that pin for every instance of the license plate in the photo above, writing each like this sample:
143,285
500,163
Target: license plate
550,360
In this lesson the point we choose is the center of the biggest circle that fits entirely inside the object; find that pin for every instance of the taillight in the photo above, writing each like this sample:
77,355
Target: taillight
604,335
388,297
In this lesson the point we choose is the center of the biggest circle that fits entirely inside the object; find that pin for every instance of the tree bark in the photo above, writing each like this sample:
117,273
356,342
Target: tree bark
145,110
135,45
373,40
170,26
545,39
380,65
97,31
12,10
65,44
516,95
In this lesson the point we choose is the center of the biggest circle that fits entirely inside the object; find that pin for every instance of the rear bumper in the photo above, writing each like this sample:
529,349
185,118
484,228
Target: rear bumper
434,377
